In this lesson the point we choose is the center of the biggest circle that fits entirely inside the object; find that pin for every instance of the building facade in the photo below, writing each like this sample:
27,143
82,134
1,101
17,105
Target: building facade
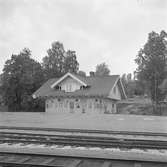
75,94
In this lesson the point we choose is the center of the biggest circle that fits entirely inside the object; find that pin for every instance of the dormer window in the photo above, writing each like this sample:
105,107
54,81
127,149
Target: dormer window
58,87
82,87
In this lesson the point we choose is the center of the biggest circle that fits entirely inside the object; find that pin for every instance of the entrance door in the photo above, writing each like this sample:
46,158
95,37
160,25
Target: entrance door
71,106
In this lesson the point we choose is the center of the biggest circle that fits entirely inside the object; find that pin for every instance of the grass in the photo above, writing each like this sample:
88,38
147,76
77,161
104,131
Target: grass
140,106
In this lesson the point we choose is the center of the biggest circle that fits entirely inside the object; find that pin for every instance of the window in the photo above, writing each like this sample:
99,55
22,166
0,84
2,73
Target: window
58,87
68,88
82,87
90,104
49,103
77,106
66,104
71,105
113,105
60,104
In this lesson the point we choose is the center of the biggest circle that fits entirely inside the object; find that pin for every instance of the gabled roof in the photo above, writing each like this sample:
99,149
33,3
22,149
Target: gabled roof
68,75
97,86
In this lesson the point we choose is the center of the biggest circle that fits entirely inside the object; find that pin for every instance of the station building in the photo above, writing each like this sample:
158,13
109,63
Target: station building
73,93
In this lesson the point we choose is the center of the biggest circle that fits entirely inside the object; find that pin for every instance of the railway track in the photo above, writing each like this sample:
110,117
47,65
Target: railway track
78,140
84,131
32,160
27,141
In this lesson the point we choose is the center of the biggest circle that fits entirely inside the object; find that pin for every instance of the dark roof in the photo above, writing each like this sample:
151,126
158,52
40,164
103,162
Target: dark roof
97,86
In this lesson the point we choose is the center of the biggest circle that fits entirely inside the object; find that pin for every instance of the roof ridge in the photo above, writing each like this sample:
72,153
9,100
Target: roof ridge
97,76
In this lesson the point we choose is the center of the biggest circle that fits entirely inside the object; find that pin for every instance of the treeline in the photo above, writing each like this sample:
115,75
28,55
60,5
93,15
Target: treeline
133,86
22,75
151,69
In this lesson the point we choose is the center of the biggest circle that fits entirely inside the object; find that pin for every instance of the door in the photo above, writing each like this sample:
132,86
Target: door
71,106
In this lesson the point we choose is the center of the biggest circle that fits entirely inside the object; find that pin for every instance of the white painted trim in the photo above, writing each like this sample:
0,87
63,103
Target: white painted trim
114,84
66,75
123,88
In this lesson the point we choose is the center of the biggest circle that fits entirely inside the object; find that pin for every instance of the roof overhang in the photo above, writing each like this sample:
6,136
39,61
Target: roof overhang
65,76
121,86
123,90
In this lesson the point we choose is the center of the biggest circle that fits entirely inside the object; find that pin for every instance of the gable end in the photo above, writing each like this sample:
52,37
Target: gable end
65,76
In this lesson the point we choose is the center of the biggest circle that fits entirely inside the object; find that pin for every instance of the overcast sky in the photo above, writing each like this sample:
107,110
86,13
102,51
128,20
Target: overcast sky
110,31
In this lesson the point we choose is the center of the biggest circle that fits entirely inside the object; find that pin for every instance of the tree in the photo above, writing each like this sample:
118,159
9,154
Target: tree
129,77
70,63
58,61
53,63
151,61
132,87
21,77
102,70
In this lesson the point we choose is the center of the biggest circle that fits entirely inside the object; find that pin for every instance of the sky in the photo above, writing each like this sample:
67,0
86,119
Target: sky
110,31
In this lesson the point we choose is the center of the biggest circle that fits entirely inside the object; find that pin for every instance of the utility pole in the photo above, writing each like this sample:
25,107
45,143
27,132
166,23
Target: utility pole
155,91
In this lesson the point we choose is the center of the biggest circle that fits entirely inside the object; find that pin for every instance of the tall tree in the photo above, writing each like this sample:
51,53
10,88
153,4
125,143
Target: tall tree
70,63
53,63
21,77
58,61
102,70
151,61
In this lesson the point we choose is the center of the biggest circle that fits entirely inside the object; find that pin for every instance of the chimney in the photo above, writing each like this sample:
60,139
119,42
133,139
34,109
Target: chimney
92,73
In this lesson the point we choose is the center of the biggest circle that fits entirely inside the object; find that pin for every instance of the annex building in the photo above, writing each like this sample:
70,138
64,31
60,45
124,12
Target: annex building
73,93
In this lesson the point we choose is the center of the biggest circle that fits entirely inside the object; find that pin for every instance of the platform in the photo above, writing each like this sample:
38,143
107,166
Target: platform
131,123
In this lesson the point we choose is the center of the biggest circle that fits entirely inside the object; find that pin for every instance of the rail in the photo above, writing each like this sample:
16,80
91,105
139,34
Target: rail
27,160
86,141
85,131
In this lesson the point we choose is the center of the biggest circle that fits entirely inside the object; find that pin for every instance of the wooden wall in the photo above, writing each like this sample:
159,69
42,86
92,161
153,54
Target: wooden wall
80,105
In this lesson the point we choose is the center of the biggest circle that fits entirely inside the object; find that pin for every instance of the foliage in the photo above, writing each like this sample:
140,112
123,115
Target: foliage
151,61
70,63
132,87
21,77
53,63
102,70
58,61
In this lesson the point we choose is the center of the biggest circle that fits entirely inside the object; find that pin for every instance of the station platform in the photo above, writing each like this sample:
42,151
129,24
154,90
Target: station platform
106,122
